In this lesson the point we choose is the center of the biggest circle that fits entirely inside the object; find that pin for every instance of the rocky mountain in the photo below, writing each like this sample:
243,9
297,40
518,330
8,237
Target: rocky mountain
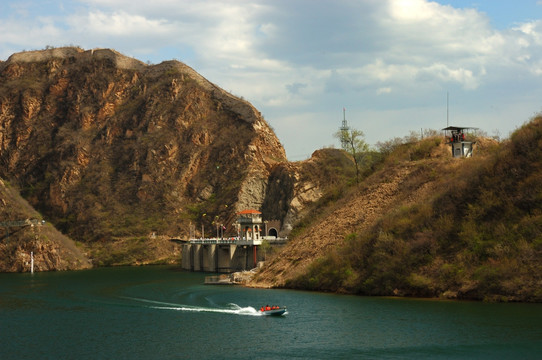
107,148
294,187
115,143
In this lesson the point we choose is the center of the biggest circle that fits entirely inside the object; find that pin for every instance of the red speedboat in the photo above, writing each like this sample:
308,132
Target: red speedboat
278,311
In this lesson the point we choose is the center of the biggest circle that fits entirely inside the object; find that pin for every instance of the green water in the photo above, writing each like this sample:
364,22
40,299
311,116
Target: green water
162,313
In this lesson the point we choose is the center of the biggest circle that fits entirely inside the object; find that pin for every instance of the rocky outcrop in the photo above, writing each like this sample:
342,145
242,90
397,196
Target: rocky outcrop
106,146
293,188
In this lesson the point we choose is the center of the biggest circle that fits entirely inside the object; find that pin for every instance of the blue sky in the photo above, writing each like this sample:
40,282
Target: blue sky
390,63
502,14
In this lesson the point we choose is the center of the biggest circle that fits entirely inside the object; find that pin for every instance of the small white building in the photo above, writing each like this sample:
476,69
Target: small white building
462,146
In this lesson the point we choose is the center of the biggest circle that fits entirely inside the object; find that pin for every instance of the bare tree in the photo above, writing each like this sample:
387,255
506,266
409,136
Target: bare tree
353,142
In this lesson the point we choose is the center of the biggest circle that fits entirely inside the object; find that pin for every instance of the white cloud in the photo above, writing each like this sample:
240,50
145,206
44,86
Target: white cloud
119,24
20,35
414,10
383,90
444,73
533,30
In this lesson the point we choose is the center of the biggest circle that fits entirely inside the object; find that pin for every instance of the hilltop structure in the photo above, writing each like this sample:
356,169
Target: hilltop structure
460,141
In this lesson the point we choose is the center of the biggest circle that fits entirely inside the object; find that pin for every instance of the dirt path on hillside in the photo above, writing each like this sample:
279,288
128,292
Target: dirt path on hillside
354,215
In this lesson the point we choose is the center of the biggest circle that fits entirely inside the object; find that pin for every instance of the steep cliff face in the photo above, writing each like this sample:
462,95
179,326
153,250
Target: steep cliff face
106,146
293,188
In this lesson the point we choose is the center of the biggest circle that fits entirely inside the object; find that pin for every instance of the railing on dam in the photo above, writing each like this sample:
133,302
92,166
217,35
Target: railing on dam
238,241
226,255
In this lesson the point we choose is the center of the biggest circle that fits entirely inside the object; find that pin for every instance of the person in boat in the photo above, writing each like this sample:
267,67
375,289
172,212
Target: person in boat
267,308
262,309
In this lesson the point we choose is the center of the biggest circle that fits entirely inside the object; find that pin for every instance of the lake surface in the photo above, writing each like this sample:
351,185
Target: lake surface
163,313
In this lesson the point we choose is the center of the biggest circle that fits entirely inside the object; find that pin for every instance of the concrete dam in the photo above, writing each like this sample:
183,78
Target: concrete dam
231,254
224,256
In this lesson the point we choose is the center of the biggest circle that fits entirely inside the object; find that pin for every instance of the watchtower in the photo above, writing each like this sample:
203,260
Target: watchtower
460,140
249,224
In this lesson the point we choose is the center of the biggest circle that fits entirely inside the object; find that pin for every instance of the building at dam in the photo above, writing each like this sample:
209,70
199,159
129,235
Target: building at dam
226,254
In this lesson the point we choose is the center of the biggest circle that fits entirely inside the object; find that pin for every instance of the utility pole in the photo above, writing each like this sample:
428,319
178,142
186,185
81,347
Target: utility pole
24,223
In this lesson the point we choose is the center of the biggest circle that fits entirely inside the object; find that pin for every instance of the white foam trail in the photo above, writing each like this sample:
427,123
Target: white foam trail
250,311
235,309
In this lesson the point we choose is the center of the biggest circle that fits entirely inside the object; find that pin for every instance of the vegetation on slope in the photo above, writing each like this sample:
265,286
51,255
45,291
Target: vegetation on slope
478,236
107,151
52,250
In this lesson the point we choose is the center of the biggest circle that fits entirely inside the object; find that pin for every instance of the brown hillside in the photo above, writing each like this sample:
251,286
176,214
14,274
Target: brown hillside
430,226
106,146
357,212
401,182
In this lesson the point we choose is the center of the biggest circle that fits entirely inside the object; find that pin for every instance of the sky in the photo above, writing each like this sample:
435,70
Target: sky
389,66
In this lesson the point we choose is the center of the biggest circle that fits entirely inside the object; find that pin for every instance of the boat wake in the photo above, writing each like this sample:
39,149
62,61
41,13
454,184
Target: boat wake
233,309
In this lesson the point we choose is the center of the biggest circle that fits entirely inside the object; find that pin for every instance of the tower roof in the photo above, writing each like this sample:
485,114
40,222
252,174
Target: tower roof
249,212
457,128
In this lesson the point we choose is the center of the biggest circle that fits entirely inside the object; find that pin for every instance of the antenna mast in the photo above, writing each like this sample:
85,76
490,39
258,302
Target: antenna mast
344,127
447,111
